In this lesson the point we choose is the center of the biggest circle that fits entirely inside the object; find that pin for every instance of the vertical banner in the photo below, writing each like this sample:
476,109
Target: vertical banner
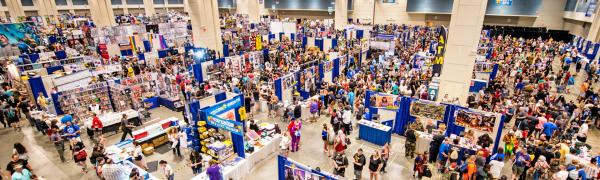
259,43
440,49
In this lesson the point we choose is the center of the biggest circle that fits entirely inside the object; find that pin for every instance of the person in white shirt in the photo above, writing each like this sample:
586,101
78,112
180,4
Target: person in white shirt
285,144
496,167
347,120
563,174
167,170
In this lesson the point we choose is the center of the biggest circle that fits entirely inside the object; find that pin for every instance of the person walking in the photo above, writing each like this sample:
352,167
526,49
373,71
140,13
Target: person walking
359,163
294,129
375,164
175,144
59,143
126,127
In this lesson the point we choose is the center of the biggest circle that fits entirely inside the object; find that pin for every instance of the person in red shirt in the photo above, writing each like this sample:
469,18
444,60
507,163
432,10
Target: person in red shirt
96,126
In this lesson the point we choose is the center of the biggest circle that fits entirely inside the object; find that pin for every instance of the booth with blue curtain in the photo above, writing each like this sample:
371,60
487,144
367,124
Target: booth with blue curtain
477,85
380,131
324,44
329,70
309,72
200,69
289,169
209,110
445,114
284,87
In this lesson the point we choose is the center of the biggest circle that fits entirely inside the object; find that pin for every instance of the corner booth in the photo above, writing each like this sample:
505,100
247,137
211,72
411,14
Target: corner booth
218,133
389,113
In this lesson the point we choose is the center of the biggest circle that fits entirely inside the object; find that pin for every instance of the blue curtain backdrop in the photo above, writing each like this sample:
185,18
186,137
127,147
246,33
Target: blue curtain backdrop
37,86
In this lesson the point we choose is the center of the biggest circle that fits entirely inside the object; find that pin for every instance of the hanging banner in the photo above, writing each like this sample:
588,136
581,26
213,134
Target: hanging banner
226,124
259,43
440,49
225,106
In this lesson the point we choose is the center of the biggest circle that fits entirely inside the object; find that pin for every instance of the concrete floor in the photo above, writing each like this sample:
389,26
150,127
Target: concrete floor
44,160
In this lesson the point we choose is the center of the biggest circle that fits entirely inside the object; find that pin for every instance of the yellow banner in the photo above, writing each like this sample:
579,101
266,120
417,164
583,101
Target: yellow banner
259,42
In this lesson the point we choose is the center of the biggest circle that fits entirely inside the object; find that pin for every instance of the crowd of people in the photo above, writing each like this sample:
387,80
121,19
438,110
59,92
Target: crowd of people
547,118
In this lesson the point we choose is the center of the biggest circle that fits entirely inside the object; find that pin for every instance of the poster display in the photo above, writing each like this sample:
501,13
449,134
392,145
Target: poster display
476,120
18,33
293,172
289,82
328,66
388,101
307,77
427,109
484,67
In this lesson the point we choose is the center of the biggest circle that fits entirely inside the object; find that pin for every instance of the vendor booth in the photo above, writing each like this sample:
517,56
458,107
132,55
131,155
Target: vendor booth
290,169
284,87
329,70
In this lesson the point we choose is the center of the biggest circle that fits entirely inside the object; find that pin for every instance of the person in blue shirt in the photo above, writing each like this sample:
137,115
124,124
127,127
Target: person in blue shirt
549,128
71,130
351,98
443,152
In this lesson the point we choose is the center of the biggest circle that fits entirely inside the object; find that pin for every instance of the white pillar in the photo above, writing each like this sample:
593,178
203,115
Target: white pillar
463,38
250,8
70,5
15,8
124,5
149,7
341,14
103,14
593,33
205,24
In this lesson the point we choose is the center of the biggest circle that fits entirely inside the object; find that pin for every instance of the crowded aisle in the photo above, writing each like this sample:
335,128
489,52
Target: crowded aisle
170,96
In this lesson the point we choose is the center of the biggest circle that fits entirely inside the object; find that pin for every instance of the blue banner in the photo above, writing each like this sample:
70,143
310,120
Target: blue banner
226,124
225,106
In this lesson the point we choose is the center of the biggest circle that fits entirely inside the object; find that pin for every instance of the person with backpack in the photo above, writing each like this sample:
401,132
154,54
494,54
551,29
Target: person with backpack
521,161
80,156
340,164
468,169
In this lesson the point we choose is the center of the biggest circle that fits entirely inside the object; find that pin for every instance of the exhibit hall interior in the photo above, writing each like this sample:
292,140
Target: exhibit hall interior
299,89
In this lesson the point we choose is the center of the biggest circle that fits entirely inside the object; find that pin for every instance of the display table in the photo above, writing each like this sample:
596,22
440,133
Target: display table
154,130
374,132
173,103
238,171
111,120
153,101
423,142
243,166
269,147
120,153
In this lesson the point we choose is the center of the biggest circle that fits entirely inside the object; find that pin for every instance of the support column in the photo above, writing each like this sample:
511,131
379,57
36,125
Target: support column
205,24
15,8
103,15
186,6
463,38
70,4
149,7
47,7
250,8
124,5
341,14
593,33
